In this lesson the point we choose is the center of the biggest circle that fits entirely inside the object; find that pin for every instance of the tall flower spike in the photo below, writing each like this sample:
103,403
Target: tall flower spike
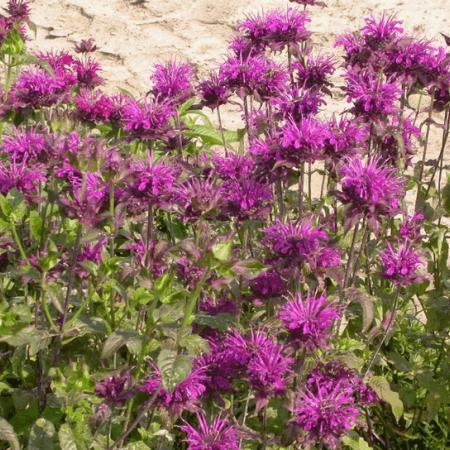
309,321
218,435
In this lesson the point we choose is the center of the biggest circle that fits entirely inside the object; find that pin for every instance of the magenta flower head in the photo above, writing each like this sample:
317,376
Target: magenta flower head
88,73
300,243
115,389
346,138
400,264
86,46
93,106
370,188
314,71
18,10
411,226
181,396
149,120
269,374
232,166
372,97
36,88
297,102
379,32
220,434
268,285
24,144
151,183
304,141
243,74
18,176
329,404
214,91
173,81
309,321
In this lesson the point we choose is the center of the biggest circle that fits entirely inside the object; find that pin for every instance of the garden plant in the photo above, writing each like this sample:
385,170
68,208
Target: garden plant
167,282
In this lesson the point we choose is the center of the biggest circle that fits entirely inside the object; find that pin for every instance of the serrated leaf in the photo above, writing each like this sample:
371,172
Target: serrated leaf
174,367
381,386
8,434
42,436
66,438
127,337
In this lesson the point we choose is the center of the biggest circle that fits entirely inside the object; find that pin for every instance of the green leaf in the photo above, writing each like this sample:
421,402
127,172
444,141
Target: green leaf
366,302
356,442
219,322
35,225
36,339
13,43
42,436
222,251
66,438
174,368
127,337
7,434
211,136
195,344
446,195
381,386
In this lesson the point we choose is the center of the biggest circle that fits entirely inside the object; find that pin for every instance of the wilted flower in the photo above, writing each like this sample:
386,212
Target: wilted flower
400,264
18,10
309,321
219,435
301,243
172,81
114,389
268,285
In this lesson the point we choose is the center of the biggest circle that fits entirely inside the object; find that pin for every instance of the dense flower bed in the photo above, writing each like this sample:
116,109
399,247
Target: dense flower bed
168,283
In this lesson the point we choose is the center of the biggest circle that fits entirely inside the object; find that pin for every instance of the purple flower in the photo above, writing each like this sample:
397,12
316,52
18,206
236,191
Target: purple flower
214,91
268,285
326,413
18,10
87,73
400,264
246,198
218,435
313,72
304,141
371,189
378,33
213,307
328,405
93,106
372,97
90,252
114,389
297,102
273,82
24,144
182,396
151,183
149,120
410,227
172,82
87,199
269,374
346,138
300,243
396,141
309,321
36,88
19,176
232,166
86,46
156,261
